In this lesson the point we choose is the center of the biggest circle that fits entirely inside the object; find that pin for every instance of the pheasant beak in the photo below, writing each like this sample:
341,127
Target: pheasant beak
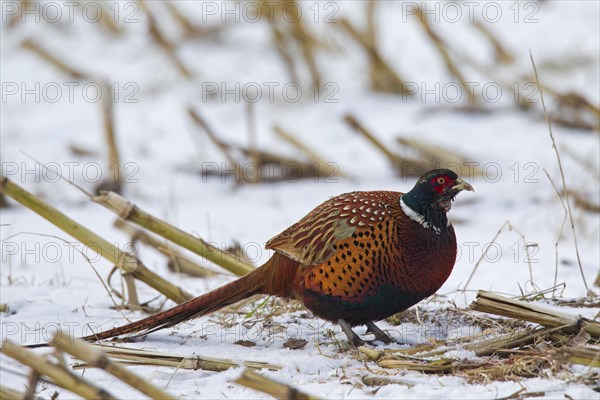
462,185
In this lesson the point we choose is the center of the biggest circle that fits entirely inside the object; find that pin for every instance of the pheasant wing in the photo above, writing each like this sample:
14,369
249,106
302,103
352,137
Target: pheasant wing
312,240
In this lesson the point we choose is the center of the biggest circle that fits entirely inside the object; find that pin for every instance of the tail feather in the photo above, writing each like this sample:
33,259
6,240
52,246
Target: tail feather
271,278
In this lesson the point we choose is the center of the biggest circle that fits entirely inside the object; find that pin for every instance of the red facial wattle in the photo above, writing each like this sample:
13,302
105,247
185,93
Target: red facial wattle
440,183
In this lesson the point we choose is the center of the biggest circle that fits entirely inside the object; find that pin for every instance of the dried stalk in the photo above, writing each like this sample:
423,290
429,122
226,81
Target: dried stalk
581,201
139,357
442,365
59,374
499,305
383,76
435,156
523,101
3,203
562,174
526,360
583,355
16,18
98,359
177,261
266,385
261,159
307,44
132,296
529,350
305,170
182,265
32,381
125,261
189,29
395,159
163,42
586,163
501,54
572,108
480,344
114,161
283,49
376,381
107,21
358,127
573,119
573,100
45,55
211,134
372,354
441,47
308,152
523,366
253,154
130,212
507,341
7,393
291,37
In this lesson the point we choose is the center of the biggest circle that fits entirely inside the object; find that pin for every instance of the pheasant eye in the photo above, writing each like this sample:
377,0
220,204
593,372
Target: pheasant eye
441,180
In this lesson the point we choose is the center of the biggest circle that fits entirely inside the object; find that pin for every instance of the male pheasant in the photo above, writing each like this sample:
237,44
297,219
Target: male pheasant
357,258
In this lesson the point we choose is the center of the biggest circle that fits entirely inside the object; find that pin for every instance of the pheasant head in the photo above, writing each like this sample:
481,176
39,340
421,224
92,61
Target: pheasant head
431,198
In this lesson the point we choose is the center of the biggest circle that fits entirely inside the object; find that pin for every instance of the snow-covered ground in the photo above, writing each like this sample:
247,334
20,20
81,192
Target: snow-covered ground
45,113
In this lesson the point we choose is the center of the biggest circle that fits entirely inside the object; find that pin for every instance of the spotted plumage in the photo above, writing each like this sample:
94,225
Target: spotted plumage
357,258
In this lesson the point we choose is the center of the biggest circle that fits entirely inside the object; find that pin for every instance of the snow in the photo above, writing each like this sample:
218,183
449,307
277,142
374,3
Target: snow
46,283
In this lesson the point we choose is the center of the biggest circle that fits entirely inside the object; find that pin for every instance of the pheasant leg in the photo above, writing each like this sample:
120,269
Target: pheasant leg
350,334
379,334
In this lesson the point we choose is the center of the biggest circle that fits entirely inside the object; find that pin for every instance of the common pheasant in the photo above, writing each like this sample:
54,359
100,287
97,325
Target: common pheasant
357,258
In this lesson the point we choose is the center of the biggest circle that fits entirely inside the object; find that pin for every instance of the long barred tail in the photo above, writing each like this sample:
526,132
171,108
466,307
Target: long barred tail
275,277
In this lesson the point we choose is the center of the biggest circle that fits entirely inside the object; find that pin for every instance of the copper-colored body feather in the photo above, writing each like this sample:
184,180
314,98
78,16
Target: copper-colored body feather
357,257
